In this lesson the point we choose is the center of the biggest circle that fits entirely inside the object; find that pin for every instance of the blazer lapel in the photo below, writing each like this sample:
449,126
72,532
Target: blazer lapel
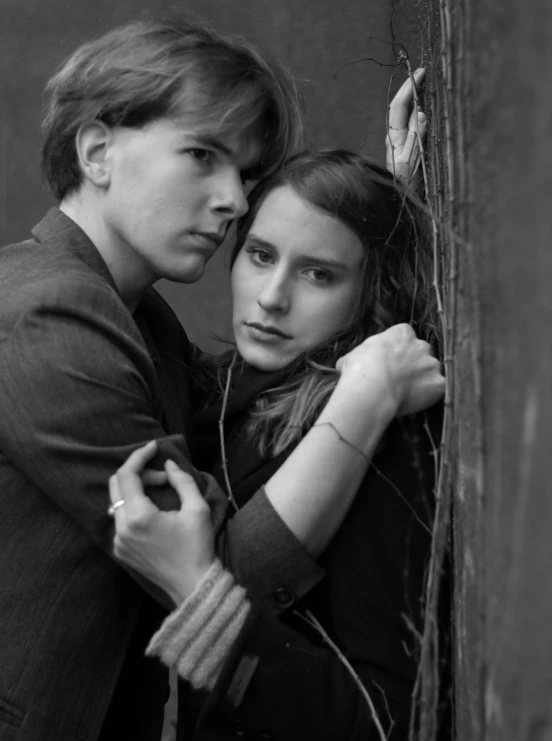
163,334
171,352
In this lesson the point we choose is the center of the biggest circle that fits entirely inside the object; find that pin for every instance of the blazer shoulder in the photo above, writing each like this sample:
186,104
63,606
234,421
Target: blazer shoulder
32,278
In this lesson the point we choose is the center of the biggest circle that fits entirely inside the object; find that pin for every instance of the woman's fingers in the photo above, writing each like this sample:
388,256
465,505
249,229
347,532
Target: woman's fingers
416,134
400,107
185,486
116,498
138,459
130,485
151,477
114,491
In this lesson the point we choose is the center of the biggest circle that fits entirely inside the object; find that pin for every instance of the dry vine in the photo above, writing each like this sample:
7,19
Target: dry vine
445,175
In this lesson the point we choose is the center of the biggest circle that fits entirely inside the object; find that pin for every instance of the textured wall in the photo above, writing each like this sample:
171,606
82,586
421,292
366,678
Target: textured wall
490,189
512,230
313,37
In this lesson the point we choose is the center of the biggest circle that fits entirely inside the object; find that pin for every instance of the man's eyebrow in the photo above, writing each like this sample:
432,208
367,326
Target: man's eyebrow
326,262
208,140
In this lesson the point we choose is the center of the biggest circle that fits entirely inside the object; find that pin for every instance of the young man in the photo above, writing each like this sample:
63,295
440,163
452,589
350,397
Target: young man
151,132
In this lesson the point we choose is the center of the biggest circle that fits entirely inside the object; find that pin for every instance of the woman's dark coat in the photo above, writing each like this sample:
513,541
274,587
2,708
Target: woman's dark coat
294,688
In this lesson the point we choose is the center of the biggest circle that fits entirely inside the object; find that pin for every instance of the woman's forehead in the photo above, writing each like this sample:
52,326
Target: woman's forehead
290,223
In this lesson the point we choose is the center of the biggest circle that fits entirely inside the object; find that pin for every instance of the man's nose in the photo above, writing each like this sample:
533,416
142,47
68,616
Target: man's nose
275,296
229,198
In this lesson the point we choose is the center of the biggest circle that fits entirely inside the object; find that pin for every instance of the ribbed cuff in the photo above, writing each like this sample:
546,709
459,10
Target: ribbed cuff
197,637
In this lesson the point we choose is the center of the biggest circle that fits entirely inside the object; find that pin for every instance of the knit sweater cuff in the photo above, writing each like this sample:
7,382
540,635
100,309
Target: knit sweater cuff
197,637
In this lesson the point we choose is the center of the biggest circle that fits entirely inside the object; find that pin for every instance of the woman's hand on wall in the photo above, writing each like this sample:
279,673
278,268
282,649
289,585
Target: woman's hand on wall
398,364
406,127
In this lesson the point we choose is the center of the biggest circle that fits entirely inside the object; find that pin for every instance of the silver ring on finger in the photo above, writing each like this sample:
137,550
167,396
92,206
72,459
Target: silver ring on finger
114,506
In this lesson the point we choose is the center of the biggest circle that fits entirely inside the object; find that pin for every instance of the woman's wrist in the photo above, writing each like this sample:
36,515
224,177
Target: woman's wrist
197,637
182,585
355,391
359,414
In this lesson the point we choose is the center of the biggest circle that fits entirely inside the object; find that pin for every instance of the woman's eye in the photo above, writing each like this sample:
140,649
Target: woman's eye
259,256
320,276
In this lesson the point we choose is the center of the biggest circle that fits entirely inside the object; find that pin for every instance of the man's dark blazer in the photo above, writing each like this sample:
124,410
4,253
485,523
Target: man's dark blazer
83,383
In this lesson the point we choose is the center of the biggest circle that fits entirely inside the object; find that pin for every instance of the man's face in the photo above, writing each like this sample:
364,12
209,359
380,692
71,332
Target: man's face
172,194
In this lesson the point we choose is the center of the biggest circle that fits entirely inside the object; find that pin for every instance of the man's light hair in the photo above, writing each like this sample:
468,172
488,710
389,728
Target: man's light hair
142,71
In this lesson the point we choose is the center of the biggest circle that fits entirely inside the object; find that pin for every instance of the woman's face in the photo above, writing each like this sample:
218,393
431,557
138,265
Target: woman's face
294,282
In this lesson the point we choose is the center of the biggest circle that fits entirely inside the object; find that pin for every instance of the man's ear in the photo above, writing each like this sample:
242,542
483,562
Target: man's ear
92,142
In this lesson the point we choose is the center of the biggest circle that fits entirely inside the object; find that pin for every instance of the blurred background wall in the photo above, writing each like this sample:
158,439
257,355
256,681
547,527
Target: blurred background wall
314,38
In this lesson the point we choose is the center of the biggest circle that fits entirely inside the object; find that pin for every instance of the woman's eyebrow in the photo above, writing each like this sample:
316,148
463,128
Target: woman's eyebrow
325,262
260,242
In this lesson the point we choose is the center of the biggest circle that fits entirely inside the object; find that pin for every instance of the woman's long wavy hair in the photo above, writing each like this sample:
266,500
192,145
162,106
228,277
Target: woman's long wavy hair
397,279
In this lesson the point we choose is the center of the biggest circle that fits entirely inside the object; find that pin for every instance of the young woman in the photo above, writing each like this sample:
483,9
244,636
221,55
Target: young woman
330,253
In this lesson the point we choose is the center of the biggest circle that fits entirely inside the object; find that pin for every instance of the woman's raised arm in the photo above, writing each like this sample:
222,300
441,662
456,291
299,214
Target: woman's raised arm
389,374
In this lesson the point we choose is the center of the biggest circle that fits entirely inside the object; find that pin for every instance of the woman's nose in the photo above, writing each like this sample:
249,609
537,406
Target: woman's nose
275,296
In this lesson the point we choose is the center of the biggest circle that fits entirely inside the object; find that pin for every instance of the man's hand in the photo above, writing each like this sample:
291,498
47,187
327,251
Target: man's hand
404,131
174,550
399,365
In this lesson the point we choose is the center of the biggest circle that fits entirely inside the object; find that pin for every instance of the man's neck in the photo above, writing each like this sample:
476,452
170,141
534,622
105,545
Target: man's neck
131,281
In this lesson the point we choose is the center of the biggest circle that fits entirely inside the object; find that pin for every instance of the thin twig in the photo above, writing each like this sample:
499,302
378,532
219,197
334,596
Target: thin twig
402,498
221,433
313,622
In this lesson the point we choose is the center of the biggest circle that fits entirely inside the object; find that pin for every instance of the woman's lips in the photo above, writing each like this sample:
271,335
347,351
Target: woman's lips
266,333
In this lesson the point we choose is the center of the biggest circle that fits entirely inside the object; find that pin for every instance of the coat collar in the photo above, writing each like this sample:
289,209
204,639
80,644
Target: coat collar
247,385
242,453
56,226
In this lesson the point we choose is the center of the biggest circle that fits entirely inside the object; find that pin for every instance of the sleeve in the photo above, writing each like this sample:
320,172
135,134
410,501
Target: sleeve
77,395
263,676
197,637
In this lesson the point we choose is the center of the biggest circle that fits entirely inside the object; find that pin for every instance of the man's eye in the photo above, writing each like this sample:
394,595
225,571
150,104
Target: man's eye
202,155
251,175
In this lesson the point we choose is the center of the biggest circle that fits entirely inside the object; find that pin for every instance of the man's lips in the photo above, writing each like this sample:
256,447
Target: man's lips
215,238
268,329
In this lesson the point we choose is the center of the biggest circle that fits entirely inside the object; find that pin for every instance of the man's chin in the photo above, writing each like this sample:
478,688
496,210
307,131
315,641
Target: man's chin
190,272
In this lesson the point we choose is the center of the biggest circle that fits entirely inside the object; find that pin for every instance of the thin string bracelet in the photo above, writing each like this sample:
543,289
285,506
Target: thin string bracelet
344,439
